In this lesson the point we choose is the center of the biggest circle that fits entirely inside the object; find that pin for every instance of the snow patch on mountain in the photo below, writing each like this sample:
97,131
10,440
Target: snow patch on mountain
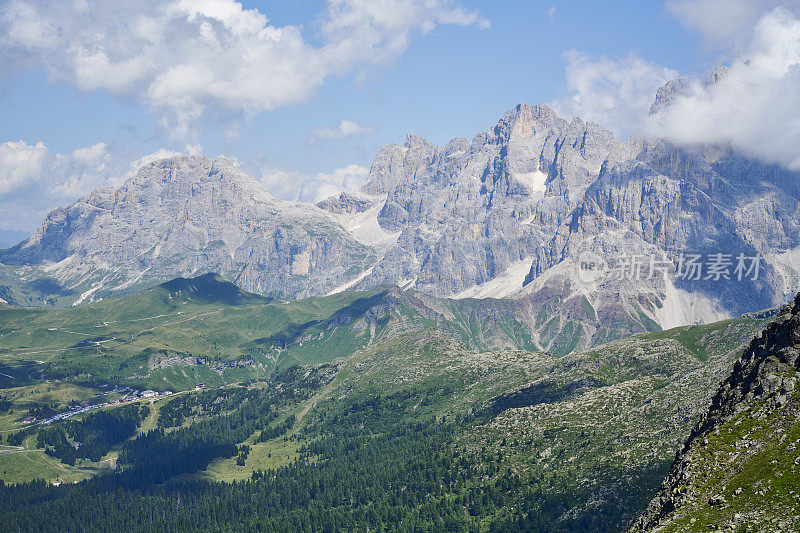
536,181
503,286
682,308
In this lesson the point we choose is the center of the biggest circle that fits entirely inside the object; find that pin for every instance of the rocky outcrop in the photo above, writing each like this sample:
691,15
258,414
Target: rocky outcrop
761,386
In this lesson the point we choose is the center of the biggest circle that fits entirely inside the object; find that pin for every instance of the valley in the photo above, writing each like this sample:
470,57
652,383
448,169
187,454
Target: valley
578,440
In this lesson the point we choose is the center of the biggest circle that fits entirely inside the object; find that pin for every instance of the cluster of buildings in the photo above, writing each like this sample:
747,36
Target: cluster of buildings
129,395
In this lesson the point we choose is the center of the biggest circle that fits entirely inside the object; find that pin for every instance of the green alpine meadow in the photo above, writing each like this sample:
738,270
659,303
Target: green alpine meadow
363,409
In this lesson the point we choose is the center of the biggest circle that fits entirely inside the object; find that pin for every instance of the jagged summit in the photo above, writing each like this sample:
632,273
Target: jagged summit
525,120
185,214
186,173
670,91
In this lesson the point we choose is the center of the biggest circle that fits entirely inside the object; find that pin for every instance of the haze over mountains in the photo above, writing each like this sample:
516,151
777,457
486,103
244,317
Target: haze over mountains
507,214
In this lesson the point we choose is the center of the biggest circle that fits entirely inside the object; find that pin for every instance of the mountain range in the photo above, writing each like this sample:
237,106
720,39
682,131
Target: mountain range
513,214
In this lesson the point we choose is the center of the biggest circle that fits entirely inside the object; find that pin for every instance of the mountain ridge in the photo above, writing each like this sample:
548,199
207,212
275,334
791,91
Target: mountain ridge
506,214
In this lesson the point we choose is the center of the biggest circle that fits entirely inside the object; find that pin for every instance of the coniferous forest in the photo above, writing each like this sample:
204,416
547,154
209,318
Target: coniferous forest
365,465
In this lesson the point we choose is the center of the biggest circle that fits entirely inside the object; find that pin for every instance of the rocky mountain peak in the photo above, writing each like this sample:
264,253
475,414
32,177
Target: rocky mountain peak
525,121
415,142
186,215
667,93
193,173
671,90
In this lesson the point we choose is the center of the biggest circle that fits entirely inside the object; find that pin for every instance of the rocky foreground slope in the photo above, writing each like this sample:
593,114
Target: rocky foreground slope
740,468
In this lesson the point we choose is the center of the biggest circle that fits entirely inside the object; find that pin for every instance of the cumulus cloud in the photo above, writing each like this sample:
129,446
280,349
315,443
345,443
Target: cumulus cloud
20,164
552,11
755,106
727,24
190,59
345,130
613,92
161,153
378,31
296,186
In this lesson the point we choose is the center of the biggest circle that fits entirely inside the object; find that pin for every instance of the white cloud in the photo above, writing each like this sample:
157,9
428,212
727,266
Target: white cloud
95,155
161,153
378,31
724,23
345,130
614,93
190,59
20,164
552,11
755,106
295,186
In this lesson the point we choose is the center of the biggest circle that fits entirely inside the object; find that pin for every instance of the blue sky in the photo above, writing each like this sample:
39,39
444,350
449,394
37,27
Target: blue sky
453,82
456,69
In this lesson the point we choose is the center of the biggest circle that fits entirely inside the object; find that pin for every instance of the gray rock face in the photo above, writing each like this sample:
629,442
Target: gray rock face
510,213
344,204
667,94
519,203
468,211
186,215
538,189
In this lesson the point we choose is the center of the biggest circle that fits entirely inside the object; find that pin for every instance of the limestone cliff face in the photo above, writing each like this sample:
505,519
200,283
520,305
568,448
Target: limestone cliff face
510,212
186,215
469,210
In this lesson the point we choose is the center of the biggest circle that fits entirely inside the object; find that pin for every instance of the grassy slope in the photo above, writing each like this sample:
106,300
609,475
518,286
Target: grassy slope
26,462
113,340
753,463
602,445
594,431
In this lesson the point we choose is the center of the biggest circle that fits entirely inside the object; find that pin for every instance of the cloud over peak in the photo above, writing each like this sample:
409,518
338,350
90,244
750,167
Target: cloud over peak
346,129
296,186
613,92
755,106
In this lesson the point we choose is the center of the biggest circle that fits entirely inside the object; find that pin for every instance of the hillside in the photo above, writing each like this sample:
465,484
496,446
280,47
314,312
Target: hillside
739,470
206,329
180,333
483,439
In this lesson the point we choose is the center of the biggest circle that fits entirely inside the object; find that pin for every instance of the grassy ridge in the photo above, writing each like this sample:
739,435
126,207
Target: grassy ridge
515,437
147,339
